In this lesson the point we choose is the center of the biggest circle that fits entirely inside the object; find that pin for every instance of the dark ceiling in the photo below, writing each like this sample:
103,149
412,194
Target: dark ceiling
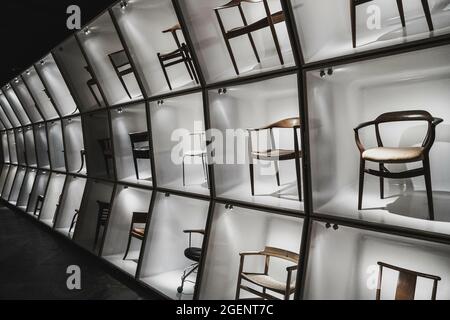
29,29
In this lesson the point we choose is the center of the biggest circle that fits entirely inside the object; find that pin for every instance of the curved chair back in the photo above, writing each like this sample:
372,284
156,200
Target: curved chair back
286,124
281,254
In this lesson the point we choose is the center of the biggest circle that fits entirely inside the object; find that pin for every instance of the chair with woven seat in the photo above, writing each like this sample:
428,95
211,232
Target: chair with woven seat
136,232
108,154
122,67
269,21
140,148
274,154
179,55
104,209
91,83
194,254
355,3
407,281
402,155
264,280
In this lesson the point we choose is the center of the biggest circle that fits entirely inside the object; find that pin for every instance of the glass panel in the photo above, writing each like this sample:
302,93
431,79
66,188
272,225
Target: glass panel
52,199
56,145
28,183
343,265
39,188
127,202
74,148
358,93
257,105
57,87
9,183
3,177
5,147
30,150
42,146
4,119
20,176
211,46
238,230
109,61
378,25
168,252
16,105
20,144
179,136
12,147
9,111
26,100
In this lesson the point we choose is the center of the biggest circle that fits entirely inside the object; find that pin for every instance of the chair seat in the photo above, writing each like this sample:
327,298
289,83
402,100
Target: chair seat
393,155
138,232
260,24
195,153
268,282
277,154
193,254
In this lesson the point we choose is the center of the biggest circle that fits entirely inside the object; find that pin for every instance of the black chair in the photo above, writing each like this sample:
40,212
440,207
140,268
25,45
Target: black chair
91,83
140,147
122,67
74,221
194,254
180,55
38,206
136,232
104,210
107,151
83,160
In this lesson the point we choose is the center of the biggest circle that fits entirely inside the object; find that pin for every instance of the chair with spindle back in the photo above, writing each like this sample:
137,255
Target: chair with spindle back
104,209
139,151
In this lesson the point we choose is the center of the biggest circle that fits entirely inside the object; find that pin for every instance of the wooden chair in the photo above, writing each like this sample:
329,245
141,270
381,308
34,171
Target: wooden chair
74,222
268,21
108,155
122,67
91,83
407,281
264,280
180,55
39,205
355,3
104,210
192,253
201,153
275,154
400,155
139,151
136,232
83,160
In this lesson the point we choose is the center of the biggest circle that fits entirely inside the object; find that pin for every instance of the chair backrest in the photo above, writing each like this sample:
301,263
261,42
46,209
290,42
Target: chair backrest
139,217
119,59
103,211
139,137
410,115
106,145
285,124
406,284
281,254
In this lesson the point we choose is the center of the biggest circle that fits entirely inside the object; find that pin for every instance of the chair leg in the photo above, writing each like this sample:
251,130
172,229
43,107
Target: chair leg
107,166
299,182
184,171
233,59
277,173
426,9
401,12
381,182
136,168
277,43
161,62
426,166
125,87
128,247
353,21
194,72
361,183
252,178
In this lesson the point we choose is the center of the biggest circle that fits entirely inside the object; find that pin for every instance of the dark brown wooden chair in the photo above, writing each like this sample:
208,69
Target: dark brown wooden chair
122,67
388,155
39,205
91,83
83,161
74,222
104,210
140,147
194,254
355,3
406,284
264,280
275,154
136,232
107,151
269,21
180,55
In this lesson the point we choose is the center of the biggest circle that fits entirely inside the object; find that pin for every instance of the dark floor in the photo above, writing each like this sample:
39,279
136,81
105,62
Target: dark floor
34,261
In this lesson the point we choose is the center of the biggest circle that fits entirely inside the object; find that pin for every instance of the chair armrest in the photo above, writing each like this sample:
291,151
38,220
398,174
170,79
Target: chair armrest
437,121
291,268
231,4
357,139
195,231
364,124
251,253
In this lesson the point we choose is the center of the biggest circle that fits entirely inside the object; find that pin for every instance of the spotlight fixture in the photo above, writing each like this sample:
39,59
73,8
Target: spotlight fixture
330,71
167,195
7,87
328,225
322,73
69,120
123,4
125,187
42,62
120,110
28,72
222,91
160,103
336,227
16,80
87,31
228,207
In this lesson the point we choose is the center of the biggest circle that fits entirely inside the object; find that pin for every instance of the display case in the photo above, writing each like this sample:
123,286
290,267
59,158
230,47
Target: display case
52,199
42,152
38,192
227,47
78,73
4,122
132,147
94,215
26,100
68,208
3,177
179,141
5,147
257,155
12,147
27,188
56,86
238,230
7,188
359,93
30,147
17,185
343,265
56,145
126,228
109,61
377,24
20,145
157,45
175,235
74,145
15,103
40,94
98,145
8,110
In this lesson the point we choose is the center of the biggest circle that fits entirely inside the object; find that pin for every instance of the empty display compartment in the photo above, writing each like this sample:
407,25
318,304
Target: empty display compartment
157,45
254,127
4,177
30,147
15,103
238,232
8,110
42,152
74,145
4,118
7,188
359,93
344,265
17,185
377,24
5,147
20,144
27,188
52,199
174,245
12,147
56,145
226,48
109,61
126,228
38,193
132,144
56,86
26,100
179,140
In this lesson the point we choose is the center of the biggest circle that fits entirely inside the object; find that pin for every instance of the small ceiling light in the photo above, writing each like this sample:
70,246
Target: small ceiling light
8,86
322,73
87,31
123,4
229,207
28,72
125,187
69,120
120,110
222,91
16,80
330,71
160,103
42,62
167,195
